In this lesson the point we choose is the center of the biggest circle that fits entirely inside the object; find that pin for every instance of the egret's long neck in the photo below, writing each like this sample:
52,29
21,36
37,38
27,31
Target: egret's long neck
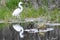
21,33
21,8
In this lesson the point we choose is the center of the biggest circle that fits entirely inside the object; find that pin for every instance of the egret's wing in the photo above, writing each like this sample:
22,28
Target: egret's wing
17,27
16,12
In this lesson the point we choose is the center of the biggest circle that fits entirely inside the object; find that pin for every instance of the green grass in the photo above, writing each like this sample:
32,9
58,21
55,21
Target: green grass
42,11
6,14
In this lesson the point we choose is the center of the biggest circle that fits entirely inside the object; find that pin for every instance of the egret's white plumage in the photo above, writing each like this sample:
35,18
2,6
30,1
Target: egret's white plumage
17,11
19,29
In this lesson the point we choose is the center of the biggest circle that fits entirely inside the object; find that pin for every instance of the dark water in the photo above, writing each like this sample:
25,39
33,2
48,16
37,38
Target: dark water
8,33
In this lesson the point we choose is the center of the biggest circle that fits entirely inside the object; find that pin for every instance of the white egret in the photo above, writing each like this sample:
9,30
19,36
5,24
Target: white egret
19,29
17,11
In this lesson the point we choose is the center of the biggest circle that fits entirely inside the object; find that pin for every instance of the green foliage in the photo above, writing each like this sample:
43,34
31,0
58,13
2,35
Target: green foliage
3,25
55,14
45,2
4,13
42,11
12,4
33,13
